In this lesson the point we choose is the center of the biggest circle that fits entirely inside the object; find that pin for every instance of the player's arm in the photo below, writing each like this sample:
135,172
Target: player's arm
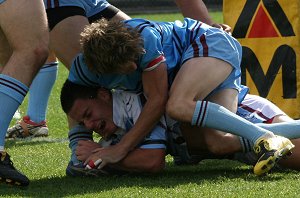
142,160
138,160
196,9
155,86
156,90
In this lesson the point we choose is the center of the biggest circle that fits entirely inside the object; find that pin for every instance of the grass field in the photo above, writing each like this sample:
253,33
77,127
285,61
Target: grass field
44,161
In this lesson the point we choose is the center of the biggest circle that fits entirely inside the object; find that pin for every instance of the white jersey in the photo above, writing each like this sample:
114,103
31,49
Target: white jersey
126,110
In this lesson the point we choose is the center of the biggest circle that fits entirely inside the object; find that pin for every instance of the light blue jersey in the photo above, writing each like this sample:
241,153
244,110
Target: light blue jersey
1,1
170,42
91,7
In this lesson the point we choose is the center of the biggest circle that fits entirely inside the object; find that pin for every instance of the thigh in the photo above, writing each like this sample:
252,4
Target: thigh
5,50
23,23
198,77
65,36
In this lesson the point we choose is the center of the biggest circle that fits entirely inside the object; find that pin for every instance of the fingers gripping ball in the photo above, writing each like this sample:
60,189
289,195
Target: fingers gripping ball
93,165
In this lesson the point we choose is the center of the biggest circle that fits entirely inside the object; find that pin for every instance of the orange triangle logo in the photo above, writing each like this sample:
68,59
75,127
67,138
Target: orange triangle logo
262,26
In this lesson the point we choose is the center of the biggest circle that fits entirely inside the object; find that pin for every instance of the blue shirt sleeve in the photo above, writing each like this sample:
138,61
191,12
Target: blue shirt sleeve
153,55
80,74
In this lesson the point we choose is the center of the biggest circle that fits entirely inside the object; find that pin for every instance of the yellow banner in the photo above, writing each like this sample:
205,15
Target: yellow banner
269,33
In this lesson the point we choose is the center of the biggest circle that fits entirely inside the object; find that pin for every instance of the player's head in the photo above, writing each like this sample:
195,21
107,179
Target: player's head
111,47
90,106
70,92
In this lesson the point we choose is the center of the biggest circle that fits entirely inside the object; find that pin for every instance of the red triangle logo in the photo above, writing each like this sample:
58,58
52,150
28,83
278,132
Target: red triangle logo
262,27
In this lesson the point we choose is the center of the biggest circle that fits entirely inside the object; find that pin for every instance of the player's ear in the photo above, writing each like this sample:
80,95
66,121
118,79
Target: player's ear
103,94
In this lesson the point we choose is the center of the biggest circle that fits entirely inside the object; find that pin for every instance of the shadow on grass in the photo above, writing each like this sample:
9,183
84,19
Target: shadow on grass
210,171
33,141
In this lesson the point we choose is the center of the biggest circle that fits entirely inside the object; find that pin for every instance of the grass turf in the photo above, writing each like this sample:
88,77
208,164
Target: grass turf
44,161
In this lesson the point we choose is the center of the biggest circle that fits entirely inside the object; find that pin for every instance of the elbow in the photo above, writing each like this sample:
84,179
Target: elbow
155,166
155,161
180,3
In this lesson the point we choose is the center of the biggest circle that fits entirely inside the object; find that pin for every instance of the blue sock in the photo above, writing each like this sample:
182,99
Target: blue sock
75,134
208,114
39,92
290,130
12,93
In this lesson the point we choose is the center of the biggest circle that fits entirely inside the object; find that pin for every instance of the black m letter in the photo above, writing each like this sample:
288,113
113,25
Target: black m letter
284,56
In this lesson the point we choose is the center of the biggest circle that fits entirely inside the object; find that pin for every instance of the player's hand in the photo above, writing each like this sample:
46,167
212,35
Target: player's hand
222,26
85,148
103,156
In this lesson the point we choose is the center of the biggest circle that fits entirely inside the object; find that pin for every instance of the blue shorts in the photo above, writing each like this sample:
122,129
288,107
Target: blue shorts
218,44
1,1
91,7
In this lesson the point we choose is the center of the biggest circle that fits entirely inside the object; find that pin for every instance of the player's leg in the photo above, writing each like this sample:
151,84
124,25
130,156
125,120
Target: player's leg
183,107
260,110
263,112
28,40
39,92
62,24
257,110
29,45
33,124
75,166
71,26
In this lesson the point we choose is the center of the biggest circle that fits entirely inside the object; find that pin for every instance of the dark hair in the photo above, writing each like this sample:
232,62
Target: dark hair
70,92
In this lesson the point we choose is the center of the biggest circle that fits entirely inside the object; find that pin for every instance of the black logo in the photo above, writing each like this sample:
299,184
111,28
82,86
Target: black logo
275,11
284,57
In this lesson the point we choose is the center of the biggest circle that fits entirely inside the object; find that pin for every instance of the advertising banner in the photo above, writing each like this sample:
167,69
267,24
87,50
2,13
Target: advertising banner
268,30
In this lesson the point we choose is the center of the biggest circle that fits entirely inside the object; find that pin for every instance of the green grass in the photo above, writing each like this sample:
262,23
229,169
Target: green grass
44,161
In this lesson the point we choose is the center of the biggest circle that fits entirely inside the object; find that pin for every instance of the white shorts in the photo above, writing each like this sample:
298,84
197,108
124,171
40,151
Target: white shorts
258,110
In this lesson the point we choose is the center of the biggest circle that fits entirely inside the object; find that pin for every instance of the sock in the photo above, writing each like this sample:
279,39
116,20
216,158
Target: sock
12,93
247,145
208,114
75,134
290,130
39,92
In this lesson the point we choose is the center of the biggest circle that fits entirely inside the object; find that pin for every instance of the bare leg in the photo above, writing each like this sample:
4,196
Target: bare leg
23,50
182,100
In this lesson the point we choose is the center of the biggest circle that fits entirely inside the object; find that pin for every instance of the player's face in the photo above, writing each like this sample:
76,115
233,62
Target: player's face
95,114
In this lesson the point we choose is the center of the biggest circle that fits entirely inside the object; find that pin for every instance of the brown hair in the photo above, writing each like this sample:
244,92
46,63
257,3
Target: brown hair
108,45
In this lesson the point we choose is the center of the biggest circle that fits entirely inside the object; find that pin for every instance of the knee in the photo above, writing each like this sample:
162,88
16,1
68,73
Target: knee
223,144
175,108
218,149
41,53
36,51
156,166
